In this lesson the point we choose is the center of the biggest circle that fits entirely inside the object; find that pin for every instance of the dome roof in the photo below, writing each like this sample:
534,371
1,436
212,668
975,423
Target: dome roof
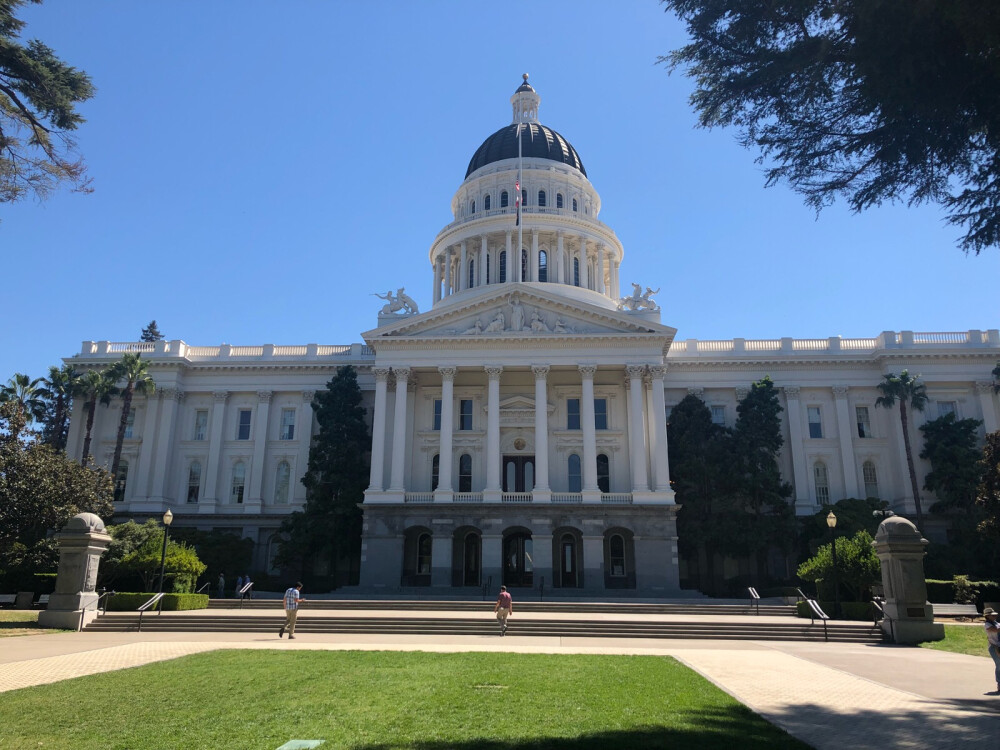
537,142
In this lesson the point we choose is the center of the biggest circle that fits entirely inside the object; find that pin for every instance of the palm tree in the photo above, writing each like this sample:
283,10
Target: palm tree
905,389
26,394
59,389
95,386
135,372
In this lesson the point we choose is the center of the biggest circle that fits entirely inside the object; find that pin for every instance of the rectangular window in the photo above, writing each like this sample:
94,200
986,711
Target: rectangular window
129,423
864,422
815,422
200,424
437,414
822,484
947,407
572,414
601,413
287,424
719,415
465,414
243,428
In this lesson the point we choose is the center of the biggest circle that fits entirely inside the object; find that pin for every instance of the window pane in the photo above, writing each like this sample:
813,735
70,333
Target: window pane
200,424
719,415
572,414
871,479
243,429
486,203
437,414
603,473
822,485
543,265
504,200
465,414
465,473
129,423
194,482
864,423
239,480
559,200
815,422
287,424
601,413
947,407
575,480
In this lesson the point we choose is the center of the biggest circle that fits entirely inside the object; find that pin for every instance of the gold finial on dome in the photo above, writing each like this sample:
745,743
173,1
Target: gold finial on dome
525,77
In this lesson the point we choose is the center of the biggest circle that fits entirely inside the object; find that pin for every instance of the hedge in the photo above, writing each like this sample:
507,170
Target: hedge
848,610
943,592
128,601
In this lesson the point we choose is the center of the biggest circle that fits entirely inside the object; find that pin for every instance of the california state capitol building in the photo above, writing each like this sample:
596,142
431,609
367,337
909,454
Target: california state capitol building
519,424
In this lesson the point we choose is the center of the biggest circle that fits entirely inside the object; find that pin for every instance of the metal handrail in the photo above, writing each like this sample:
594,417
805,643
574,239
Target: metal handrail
817,612
242,592
207,584
754,599
142,609
95,604
878,609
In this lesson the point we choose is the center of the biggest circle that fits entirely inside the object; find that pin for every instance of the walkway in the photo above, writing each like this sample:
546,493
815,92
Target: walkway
829,695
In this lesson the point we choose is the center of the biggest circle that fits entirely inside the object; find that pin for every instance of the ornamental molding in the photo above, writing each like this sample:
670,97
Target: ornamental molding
265,396
792,391
540,371
381,374
307,396
448,373
696,391
220,396
985,386
658,372
493,371
742,392
587,371
840,391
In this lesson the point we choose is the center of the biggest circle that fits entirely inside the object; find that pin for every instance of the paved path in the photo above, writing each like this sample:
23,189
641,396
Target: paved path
831,696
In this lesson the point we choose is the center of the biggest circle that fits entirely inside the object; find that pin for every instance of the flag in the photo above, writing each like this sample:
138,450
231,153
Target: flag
517,202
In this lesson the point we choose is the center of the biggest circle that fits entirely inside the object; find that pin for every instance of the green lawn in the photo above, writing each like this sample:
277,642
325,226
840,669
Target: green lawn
21,622
380,700
962,639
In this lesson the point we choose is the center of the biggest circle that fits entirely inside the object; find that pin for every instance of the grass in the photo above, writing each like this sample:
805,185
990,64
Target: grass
21,622
962,639
381,700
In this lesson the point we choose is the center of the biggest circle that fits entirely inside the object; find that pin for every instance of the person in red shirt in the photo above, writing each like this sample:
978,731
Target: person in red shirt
503,608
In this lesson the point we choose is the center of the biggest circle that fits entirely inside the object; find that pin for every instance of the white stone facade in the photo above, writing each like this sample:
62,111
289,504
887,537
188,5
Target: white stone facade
519,426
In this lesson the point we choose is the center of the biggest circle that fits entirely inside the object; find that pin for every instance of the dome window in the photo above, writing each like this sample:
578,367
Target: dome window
541,198
543,265
504,200
503,266
472,273
472,207
486,203
559,200
576,272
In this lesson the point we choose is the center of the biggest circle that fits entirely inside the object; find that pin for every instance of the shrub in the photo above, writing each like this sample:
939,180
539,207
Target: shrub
940,592
130,601
858,567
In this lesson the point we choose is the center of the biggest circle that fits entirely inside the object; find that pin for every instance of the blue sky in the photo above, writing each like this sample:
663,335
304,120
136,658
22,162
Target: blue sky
260,169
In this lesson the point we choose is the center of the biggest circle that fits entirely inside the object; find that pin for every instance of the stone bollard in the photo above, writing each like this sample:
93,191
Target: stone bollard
908,616
81,544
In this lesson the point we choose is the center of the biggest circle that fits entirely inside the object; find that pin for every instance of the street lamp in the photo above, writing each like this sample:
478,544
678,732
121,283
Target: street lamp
831,521
168,518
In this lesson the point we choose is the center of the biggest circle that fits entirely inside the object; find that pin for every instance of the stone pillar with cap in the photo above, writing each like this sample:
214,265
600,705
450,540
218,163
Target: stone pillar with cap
909,618
81,544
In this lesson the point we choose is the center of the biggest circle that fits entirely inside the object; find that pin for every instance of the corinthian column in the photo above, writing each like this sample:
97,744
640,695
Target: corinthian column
541,492
493,488
802,500
661,461
444,487
591,492
844,426
396,481
637,445
377,481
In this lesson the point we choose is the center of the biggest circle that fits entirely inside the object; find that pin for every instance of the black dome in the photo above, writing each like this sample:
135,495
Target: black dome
537,142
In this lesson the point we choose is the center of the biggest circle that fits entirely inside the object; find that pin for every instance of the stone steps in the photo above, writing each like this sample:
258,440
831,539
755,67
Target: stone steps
313,622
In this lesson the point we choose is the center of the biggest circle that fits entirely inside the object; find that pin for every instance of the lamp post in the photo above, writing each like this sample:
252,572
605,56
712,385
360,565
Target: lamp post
168,518
831,521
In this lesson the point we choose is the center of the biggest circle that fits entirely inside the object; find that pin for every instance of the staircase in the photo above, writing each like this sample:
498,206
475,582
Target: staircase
691,621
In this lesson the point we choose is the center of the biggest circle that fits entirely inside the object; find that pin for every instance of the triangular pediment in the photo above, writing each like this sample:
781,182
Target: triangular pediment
516,311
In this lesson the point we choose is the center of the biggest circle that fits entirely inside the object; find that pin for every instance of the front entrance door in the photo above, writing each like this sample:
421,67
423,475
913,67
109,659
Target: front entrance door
517,560
567,561
518,473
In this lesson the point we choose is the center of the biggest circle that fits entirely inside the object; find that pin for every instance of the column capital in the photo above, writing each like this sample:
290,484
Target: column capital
402,374
448,373
840,391
658,371
985,386
171,393
540,371
307,396
381,374
493,371
742,392
264,396
220,396
699,392
587,371
635,371
791,391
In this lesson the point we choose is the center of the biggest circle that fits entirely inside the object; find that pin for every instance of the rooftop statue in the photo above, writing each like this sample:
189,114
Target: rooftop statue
400,302
639,300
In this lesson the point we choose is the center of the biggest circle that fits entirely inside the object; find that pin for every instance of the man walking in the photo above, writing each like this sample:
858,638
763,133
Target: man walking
222,586
292,599
503,608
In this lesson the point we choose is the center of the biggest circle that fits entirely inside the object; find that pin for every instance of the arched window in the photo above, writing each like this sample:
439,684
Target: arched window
524,265
603,473
541,198
472,273
574,204
543,265
194,481
424,555
121,482
503,266
282,480
616,556
465,473
576,272
435,470
239,482
559,200
575,478
871,479
822,483
486,203
472,207
504,200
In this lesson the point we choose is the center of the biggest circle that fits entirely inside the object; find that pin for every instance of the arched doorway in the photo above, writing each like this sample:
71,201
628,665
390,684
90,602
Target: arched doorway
518,563
471,557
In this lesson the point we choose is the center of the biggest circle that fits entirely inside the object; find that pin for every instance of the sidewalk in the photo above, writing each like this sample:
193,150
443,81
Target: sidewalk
831,696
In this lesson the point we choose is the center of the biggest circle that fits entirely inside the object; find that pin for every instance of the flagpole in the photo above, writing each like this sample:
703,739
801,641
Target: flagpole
520,228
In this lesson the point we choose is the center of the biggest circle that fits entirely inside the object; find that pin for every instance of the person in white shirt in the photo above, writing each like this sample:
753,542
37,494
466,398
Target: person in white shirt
292,599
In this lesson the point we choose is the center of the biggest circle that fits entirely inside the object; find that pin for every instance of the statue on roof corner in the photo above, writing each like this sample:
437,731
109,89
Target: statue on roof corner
400,302
639,300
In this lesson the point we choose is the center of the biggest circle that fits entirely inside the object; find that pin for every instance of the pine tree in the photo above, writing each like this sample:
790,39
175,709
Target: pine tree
151,333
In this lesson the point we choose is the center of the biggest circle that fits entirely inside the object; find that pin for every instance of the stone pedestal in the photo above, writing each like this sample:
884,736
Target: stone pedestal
81,544
909,617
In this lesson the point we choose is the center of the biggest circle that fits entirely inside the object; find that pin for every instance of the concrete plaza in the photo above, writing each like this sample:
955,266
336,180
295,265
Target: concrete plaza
828,695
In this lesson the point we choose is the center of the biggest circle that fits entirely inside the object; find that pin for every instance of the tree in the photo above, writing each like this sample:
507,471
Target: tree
951,445
221,551
38,98
337,476
40,490
59,388
874,101
996,378
135,372
905,390
858,567
151,333
27,397
988,493
853,515
181,563
96,386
